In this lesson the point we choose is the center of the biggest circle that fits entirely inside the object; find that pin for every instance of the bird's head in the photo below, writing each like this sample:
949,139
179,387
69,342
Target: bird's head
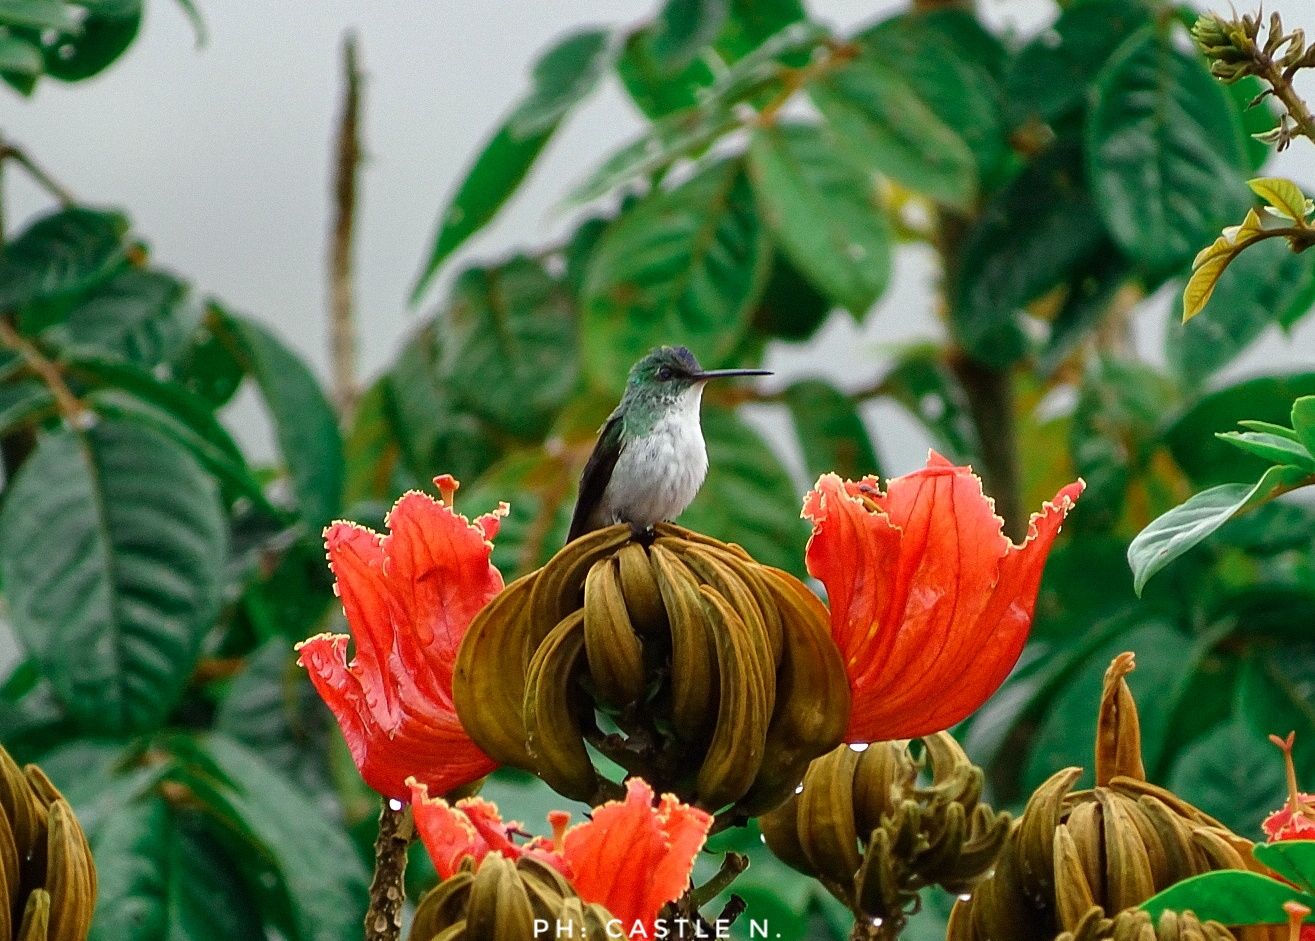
667,372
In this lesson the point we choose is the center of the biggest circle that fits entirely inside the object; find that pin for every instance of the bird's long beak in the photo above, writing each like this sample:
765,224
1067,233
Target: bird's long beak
728,373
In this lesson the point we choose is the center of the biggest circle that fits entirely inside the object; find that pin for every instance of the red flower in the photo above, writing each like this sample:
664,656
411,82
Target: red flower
409,598
1296,819
930,602
631,857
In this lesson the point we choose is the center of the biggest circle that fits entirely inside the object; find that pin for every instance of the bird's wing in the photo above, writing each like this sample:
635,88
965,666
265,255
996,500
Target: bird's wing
597,473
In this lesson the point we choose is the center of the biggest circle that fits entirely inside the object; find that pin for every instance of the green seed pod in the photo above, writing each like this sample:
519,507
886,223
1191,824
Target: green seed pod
1077,864
680,658
503,899
864,827
49,878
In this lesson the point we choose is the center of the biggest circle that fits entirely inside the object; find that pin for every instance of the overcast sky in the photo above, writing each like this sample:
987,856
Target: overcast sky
222,156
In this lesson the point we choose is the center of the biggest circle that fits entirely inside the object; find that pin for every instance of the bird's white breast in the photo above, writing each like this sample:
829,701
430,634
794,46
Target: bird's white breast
658,475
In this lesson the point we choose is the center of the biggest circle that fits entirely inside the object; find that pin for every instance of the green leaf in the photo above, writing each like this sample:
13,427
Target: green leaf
953,74
1030,238
540,489
20,57
824,212
58,257
683,266
1165,152
1303,421
509,351
162,877
1275,449
562,77
831,431
657,91
748,497
1233,771
682,28
1258,288
1269,428
1050,76
311,858
752,22
1283,196
104,34
20,402
790,308
272,709
1091,291
1173,533
879,119
111,552
145,317
1230,896
304,422
1257,116
41,14
1190,436
1294,860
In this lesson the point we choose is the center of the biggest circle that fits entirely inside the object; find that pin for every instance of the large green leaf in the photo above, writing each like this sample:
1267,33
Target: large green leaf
57,258
271,708
540,490
509,352
831,431
1165,152
1191,435
104,33
790,308
752,22
20,57
683,266
1030,238
162,877
21,402
924,384
289,839
145,317
1257,290
748,497
945,59
1229,896
304,422
1234,772
824,212
563,76
1051,75
682,28
42,14
880,120
1177,531
112,548
1294,860
657,91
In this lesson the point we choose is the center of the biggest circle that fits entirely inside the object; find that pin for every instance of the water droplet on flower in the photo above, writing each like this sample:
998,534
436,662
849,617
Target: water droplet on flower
876,922
859,747
763,837
394,804
966,897
799,788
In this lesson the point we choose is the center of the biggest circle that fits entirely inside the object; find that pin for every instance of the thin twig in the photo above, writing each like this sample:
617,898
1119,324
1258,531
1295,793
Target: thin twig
342,317
68,404
9,151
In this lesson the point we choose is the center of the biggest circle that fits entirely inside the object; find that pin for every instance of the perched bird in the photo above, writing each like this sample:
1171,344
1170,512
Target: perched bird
650,459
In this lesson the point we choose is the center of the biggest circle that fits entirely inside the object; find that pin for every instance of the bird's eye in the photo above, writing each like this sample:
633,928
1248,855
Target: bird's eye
664,373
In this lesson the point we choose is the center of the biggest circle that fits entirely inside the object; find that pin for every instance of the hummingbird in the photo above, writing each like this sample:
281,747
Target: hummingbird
650,459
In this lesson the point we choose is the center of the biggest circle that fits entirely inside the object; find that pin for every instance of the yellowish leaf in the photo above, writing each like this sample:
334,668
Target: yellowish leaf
1201,285
1284,196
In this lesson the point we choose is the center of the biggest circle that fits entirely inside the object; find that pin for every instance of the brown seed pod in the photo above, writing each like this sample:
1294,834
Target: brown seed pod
1078,863
679,658
864,827
49,878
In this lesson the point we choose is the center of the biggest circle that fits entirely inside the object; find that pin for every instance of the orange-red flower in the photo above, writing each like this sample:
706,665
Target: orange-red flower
631,858
409,598
930,602
1296,819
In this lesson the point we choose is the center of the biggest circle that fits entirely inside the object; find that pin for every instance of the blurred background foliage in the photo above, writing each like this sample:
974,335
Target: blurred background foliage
156,578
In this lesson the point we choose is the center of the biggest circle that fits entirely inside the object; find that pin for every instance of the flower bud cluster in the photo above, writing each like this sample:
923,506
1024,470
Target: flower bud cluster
49,879
682,659
864,826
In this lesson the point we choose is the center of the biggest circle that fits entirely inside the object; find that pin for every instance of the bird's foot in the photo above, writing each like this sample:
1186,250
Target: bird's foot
644,535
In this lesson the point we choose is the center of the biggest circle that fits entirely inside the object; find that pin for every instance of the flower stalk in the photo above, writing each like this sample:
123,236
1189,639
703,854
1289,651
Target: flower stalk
383,918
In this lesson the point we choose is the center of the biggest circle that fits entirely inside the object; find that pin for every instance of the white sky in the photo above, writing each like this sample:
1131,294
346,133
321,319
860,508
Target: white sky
222,156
